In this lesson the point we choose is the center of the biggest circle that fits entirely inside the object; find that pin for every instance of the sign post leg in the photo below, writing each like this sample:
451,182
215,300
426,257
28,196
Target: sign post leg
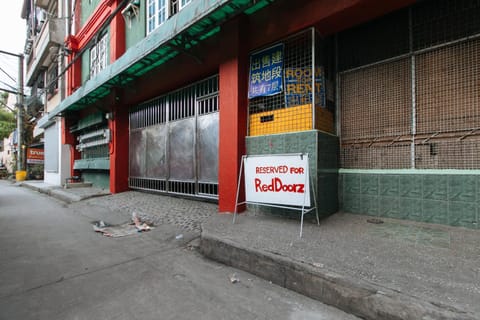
238,189
315,199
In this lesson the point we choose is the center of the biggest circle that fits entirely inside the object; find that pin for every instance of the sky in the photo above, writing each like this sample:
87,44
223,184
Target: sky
12,39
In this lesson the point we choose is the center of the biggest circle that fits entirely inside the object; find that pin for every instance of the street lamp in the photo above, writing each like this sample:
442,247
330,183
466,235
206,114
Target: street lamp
19,106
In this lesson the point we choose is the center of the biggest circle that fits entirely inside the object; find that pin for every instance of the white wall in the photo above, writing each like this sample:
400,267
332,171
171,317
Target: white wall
63,172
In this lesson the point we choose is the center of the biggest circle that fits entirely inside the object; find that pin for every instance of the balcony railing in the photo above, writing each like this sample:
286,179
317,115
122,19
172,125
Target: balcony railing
51,36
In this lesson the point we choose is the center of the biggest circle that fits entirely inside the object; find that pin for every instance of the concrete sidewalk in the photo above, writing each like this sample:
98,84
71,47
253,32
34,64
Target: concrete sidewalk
391,270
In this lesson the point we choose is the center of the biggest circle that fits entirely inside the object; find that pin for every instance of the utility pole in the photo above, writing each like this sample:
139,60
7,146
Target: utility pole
20,153
19,109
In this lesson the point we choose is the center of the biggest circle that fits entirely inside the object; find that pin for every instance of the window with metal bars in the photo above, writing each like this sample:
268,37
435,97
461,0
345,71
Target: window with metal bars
52,80
199,98
98,56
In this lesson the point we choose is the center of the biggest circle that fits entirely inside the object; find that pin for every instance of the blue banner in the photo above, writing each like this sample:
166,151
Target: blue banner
266,72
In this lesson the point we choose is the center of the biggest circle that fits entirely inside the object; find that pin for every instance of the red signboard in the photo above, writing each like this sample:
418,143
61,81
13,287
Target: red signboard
34,156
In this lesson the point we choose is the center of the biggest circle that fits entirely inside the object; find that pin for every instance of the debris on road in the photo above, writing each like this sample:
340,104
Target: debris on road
141,226
121,230
234,278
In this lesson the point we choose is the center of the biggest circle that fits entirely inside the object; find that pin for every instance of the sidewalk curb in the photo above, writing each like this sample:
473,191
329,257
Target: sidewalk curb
353,296
60,193
64,196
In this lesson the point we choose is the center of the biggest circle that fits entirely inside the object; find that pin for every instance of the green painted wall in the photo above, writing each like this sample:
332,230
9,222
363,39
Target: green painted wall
323,163
99,178
136,31
88,7
85,66
434,198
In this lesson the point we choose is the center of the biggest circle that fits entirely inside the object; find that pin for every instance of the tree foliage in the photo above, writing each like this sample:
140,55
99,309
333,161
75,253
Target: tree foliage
7,118
7,123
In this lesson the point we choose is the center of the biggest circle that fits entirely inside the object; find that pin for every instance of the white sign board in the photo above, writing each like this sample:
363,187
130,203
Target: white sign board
277,179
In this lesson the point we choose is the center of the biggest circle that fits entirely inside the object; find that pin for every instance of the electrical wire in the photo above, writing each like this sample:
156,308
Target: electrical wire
10,86
8,75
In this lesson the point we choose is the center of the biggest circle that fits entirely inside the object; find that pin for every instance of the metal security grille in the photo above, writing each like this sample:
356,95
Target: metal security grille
419,109
441,21
448,107
174,142
373,41
297,53
149,114
292,109
372,136
94,143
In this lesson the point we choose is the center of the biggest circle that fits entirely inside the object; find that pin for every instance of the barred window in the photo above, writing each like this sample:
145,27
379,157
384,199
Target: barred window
52,80
98,57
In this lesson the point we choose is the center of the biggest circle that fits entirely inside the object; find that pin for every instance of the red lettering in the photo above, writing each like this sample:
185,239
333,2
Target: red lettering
272,169
300,188
277,185
296,170
258,182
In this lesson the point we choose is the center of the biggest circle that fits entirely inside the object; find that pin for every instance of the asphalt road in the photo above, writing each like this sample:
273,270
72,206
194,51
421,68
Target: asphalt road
54,266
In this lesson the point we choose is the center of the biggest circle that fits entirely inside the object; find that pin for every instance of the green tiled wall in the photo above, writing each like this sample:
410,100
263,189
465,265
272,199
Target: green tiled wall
99,178
323,157
435,198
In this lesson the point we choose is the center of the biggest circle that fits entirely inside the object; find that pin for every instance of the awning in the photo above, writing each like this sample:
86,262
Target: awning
193,24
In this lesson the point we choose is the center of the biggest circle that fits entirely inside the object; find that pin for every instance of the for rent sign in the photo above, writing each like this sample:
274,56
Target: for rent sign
277,179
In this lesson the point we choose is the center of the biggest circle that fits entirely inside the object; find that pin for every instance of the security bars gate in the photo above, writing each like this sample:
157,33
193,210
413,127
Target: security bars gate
174,142
409,95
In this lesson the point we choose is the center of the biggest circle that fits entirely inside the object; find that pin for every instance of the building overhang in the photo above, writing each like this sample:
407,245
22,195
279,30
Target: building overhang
196,22
45,122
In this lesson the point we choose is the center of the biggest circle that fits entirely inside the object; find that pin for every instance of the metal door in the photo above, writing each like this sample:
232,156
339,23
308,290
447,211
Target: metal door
174,142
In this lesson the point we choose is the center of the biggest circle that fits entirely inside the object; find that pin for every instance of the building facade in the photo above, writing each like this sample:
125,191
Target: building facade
166,96
47,24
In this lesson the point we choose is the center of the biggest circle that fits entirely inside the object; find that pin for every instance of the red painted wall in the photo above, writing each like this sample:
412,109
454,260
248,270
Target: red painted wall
326,15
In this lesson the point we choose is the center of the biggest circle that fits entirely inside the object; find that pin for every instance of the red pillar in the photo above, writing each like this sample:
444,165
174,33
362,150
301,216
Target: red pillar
74,73
117,34
119,149
119,123
233,75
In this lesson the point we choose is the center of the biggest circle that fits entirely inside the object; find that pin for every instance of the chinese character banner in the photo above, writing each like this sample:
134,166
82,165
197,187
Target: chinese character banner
266,72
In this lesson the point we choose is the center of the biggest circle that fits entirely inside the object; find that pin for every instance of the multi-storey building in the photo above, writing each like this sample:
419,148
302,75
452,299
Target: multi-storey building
47,22
166,96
